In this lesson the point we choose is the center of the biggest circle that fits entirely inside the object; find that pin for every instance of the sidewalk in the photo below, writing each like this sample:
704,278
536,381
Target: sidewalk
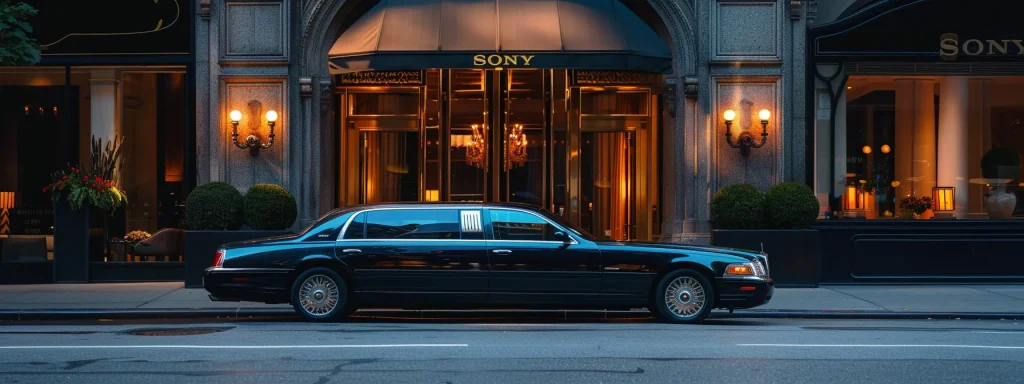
172,300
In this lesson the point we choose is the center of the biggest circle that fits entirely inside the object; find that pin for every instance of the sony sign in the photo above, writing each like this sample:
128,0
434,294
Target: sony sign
502,60
950,47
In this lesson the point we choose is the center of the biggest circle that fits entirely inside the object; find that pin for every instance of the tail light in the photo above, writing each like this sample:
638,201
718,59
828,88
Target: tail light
218,260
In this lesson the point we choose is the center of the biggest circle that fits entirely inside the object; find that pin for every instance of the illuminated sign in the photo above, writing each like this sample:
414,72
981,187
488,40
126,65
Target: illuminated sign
496,60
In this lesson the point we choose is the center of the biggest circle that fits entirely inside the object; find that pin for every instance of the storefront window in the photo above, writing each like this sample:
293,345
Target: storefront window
939,146
48,123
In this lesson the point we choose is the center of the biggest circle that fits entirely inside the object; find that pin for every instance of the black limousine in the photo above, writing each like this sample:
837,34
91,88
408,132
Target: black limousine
453,255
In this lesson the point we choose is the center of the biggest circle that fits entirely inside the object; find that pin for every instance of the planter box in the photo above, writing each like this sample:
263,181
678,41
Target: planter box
201,246
794,256
70,243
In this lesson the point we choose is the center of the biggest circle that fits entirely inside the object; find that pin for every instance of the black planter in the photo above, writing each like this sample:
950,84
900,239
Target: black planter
794,256
70,243
201,246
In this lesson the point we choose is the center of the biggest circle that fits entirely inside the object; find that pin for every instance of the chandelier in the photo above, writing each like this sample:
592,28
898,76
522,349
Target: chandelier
476,147
515,148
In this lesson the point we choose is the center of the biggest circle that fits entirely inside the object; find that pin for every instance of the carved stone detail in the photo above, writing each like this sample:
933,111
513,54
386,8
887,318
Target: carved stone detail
382,78
812,11
326,93
669,101
305,87
204,9
587,77
690,87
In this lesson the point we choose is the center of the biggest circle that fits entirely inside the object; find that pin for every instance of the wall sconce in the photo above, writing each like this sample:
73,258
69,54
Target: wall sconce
252,143
943,198
746,140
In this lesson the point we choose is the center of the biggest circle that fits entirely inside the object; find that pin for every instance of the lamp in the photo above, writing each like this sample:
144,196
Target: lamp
746,140
6,202
252,143
515,148
943,198
432,195
854,200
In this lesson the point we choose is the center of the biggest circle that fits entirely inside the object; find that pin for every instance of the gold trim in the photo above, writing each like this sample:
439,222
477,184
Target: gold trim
159,27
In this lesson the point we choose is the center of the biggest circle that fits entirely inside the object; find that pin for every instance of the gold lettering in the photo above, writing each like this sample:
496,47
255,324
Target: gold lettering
1020,46
479,60
994,46
494,60
948,46
511,60
526,59
976,42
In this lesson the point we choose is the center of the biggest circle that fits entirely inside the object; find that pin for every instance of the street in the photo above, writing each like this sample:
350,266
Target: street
372,350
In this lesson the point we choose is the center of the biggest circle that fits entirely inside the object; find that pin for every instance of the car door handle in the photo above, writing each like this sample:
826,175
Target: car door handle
352,250
502,251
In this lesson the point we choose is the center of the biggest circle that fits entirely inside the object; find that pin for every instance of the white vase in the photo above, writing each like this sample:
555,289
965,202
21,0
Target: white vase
1000,203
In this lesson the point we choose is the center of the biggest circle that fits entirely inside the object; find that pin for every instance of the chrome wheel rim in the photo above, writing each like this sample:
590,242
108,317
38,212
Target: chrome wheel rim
684,297
319,295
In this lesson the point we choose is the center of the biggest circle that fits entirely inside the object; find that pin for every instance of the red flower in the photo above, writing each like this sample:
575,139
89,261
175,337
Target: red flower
44,189
73,169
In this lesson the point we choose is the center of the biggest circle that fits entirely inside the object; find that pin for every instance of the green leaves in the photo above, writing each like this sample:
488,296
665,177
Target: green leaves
17,47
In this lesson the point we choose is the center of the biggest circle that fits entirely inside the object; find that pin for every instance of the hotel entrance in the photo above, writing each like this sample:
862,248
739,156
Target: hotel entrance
548,103
536,136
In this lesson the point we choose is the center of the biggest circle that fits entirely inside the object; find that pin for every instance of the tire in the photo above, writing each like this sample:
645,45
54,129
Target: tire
326,282
686,286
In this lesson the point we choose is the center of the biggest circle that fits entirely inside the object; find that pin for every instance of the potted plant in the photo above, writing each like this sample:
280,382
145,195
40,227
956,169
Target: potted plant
777,222
912,207
75,192
1000,167
133,238
216,212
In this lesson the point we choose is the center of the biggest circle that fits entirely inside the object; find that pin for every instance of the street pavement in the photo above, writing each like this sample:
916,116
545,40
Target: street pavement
604,351
19,302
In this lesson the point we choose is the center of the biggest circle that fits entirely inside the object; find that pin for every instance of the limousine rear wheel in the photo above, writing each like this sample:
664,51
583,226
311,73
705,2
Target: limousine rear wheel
320,294
684,296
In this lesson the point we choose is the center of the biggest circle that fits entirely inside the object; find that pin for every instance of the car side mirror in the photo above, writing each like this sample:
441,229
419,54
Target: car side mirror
562,236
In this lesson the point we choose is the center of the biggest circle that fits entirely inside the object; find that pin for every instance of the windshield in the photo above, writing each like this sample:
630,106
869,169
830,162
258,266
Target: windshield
567,225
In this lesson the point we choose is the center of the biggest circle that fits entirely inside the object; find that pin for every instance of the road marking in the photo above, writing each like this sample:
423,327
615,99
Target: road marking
883,346
232,346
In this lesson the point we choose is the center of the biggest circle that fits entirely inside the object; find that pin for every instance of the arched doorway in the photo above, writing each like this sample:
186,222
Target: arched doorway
567,117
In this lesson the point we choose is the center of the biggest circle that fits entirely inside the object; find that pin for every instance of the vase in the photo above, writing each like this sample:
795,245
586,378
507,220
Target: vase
1000,203
70,243
927,214
871,206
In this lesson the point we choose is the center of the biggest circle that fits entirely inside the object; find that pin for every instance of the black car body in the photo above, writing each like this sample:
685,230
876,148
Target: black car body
479,256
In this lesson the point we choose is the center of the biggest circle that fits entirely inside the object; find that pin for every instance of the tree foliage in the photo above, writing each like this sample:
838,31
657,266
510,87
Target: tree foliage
17,46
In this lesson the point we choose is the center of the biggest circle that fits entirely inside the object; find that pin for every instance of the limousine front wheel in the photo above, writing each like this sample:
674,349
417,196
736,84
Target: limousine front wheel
684,297
320,294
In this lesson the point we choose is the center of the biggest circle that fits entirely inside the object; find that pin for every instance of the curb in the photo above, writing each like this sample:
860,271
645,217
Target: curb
248,313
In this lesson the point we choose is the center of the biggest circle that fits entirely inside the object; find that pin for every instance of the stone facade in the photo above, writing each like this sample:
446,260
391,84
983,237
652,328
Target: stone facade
744,55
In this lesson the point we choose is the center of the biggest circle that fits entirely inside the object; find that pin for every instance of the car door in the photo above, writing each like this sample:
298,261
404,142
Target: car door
535,261
414,256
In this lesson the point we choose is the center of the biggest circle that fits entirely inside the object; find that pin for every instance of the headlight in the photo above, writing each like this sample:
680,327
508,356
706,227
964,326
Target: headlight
754,269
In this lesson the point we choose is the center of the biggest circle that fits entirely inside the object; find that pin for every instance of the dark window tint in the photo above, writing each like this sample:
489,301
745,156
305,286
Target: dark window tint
413,224
355,228
515,225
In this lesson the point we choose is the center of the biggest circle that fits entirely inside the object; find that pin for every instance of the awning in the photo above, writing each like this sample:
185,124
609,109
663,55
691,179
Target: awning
562,34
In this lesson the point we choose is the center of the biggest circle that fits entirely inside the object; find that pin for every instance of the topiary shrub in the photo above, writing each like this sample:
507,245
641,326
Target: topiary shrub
996,158
790,206
270,206
214,206
737,206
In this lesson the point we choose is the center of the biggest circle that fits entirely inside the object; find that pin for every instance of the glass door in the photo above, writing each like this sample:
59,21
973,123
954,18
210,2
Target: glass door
608,163
388,166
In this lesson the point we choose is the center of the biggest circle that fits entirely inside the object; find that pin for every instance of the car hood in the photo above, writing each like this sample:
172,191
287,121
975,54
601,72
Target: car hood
661,247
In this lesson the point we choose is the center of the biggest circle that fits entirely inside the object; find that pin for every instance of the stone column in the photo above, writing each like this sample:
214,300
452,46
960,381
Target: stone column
104,104
914,152
979,115
953,141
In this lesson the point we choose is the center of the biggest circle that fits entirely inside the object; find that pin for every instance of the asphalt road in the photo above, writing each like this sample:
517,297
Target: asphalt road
468,351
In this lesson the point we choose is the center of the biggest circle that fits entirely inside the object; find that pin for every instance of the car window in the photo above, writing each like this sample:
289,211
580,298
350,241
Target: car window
413,224
516,225
356,228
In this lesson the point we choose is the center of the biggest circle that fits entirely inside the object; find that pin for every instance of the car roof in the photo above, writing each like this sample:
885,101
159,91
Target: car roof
452,205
